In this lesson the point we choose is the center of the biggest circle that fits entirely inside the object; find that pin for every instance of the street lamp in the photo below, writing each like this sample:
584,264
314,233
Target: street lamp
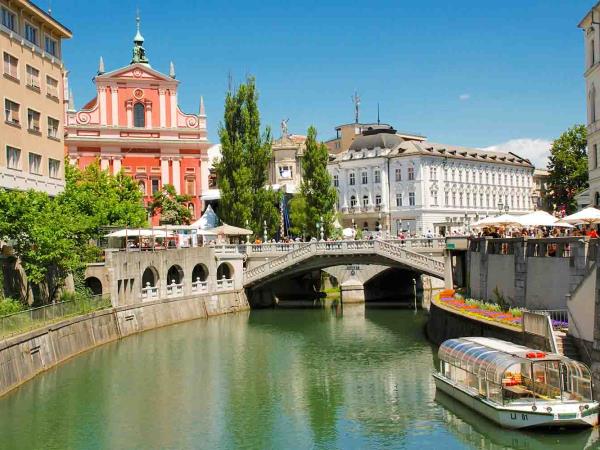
506,208
500,207
247,236
264,231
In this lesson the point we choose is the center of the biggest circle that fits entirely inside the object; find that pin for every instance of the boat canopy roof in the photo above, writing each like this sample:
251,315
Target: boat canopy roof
490,358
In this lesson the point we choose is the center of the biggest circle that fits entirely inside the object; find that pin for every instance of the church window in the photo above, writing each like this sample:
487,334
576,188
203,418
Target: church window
139,115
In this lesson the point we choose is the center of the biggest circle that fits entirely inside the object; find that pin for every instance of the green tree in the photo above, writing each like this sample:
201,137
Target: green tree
297,206
316,189
171,206
103,199
242,172
568,168
48,237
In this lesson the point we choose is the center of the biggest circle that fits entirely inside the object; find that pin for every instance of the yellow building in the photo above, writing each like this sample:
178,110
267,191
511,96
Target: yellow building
32,93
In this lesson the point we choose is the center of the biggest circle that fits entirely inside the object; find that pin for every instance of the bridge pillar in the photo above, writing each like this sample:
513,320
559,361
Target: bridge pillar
352,291
448,279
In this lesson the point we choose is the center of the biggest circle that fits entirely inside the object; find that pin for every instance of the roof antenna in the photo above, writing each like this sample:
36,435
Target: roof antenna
49,7
378,122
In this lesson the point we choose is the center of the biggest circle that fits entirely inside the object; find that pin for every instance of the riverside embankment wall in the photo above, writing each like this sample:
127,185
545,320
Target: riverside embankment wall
24,356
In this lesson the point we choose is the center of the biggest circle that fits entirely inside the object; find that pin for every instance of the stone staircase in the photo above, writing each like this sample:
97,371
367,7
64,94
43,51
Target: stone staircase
566,346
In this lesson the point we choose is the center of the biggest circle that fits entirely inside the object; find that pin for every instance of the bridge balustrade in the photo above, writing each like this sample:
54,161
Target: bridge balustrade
149,292
175,290
225,284
199,286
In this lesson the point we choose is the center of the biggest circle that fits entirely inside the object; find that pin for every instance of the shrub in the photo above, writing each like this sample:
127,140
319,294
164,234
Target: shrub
10,306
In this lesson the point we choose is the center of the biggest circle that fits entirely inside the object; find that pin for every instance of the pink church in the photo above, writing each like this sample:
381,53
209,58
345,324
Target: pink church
135,124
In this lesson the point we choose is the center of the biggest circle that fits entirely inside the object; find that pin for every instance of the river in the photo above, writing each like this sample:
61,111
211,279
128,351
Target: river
269,379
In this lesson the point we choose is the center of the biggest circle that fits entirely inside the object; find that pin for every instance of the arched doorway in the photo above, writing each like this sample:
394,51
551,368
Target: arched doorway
94,285
175,275
199,278
150,283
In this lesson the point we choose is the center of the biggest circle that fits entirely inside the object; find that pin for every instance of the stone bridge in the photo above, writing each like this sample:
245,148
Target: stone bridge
319,255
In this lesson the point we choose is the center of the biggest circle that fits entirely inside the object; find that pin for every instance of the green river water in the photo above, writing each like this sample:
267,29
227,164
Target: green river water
270,379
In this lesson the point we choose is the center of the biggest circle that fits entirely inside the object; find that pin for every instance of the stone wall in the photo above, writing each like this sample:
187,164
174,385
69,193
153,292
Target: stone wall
24,356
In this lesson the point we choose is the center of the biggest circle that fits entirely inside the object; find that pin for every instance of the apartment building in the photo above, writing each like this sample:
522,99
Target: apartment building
31,91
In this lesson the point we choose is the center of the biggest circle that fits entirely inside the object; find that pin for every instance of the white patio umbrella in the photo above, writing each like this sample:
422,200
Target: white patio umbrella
537,219
503,220
562,224
141,232
587,216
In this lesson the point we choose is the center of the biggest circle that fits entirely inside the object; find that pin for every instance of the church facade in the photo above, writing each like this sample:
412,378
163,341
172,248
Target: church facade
135,124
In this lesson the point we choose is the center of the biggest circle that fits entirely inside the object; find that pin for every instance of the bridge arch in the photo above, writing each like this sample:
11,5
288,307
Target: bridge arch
225,271
150,277
175,274
200,272
94,285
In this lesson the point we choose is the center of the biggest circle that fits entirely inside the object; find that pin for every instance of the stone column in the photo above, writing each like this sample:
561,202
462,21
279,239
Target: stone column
148,114
520,273
114,103
164,170
129,108
176,175
162,105
448,278
104,163
102,100
116,164
173,101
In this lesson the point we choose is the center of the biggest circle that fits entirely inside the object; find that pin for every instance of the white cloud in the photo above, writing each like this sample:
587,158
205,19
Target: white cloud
463,97
536,150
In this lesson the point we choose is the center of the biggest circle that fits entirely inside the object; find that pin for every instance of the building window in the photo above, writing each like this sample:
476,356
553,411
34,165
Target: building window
142,187
139,115
155,185
365,177
50,46
481,200
487,200
377,175
460,173
365,200
487,178
411,173
11,112
336,180
53,168
446,198
52,128
505,180
399,174
13,158
398,199
454,199
453,174
35,163
33,77
460,199
51,87
285,172
593,104
411,199
9,19
33,120
433,173
31,33
11,65
353,201
378,200
468,199
493,178
190,186
474,200
480,177
433,198
596,155
352,179
592,52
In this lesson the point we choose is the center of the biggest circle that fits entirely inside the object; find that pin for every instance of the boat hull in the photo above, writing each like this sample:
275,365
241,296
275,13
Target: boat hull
517,418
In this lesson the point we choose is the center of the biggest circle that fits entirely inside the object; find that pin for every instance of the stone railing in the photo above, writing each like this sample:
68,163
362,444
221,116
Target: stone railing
175,290
561,247
149,292
199,286
356,249
225,284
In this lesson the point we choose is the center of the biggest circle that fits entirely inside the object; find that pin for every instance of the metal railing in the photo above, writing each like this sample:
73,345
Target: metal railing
34,318
559,317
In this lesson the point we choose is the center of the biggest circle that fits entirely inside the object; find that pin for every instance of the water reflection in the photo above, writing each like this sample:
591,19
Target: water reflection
481,433
334,377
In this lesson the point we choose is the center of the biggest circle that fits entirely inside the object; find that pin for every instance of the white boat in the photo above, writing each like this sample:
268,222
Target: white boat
516,386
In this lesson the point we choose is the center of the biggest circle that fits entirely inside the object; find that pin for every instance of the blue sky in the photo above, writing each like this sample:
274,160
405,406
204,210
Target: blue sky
467,72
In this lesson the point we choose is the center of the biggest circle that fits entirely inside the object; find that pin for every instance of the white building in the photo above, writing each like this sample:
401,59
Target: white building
591,37
390,182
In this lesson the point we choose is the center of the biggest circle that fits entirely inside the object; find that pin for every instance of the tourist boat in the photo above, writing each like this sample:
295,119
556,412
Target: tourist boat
516,386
